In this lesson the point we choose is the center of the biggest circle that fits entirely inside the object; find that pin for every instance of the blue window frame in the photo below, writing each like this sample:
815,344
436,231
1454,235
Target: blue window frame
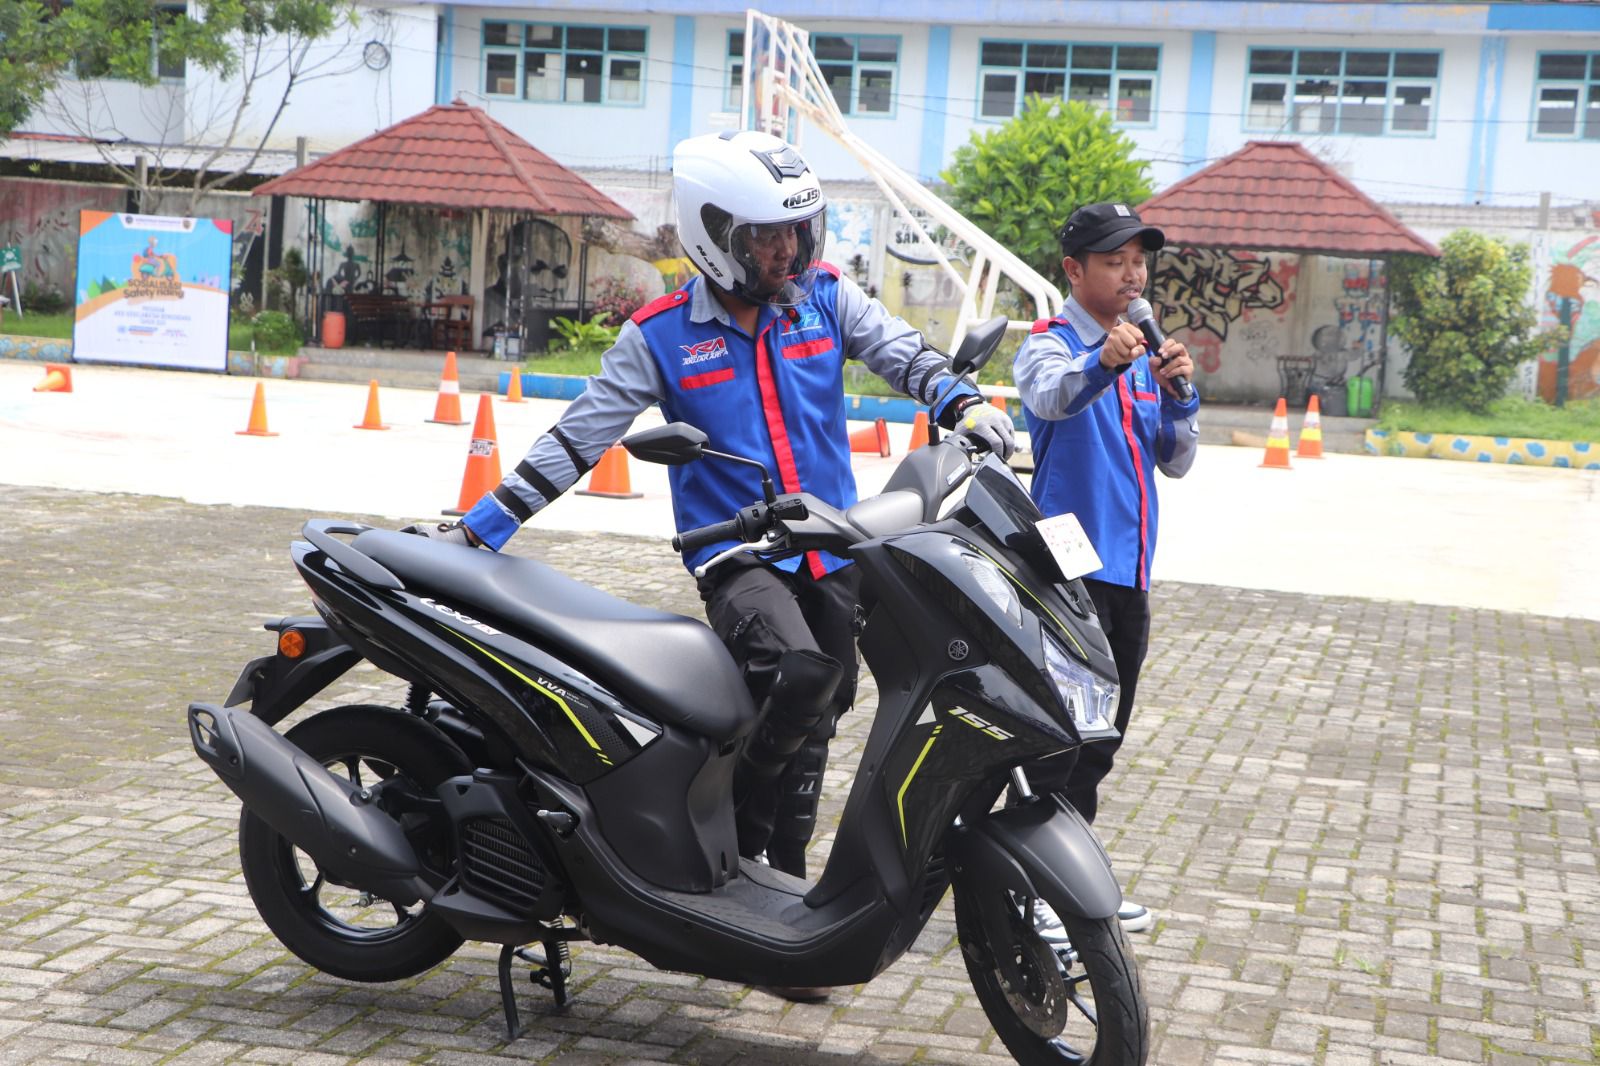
1364,92
860,70
1566,96
1120,78
557,63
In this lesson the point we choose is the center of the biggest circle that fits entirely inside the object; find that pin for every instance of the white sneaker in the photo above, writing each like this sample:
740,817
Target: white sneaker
1134,918
1048,925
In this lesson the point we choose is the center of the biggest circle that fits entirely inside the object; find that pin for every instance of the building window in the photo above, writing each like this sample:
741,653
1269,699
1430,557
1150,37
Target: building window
564,64
860,70
733,73
1319,90
1120,78
1566,96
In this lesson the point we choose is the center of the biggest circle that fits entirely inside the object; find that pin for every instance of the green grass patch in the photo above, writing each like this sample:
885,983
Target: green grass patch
1511,416
57,326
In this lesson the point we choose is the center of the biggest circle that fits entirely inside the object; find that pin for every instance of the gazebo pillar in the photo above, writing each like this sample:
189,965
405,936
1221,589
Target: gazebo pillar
475,273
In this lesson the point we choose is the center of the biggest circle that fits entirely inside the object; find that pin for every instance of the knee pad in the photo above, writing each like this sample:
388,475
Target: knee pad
797,701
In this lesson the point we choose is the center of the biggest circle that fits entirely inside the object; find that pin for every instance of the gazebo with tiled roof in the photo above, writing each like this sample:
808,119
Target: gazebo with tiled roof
1276,196
451,156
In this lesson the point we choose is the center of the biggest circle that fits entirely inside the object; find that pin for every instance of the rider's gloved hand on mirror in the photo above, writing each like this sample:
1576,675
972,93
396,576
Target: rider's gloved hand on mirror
450,532
988,424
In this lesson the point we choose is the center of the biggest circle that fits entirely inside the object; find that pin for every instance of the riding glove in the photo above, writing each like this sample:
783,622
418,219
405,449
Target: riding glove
987,423
450,532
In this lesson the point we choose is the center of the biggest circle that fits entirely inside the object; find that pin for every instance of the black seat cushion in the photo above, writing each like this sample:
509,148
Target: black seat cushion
674,667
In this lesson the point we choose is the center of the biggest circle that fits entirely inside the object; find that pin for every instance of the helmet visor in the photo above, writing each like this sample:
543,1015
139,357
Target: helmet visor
779,258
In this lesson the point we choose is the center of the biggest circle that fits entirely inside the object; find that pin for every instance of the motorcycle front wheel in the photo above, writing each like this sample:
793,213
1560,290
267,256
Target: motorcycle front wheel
1053,1009
338,929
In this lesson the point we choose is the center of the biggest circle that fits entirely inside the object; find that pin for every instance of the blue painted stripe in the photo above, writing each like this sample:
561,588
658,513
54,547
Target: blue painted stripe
443,90
1197,123
935,103
1551,18
1485,119
682,80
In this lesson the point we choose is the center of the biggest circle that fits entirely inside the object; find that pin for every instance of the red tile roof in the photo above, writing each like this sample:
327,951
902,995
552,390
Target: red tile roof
1277,196
450,155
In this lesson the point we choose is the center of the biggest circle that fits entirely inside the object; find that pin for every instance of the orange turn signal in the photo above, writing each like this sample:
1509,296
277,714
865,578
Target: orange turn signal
291,644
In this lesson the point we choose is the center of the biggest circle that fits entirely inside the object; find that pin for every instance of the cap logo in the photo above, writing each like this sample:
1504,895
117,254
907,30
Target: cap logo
1122,209
803,198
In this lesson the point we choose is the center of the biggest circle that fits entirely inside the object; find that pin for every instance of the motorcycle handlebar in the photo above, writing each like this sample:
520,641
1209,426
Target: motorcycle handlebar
732,529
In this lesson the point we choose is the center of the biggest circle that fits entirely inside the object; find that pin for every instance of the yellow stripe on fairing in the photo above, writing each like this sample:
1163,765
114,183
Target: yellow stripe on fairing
900,797
541,689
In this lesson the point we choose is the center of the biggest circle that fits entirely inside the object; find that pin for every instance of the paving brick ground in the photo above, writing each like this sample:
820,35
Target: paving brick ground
1369,829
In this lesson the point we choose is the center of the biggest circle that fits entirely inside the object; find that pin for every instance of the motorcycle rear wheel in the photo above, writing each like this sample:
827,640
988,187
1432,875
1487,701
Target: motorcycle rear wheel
1110,1026
340,930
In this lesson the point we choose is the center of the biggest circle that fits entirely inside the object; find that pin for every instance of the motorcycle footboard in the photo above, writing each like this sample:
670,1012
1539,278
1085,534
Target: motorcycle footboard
352,841
1042,849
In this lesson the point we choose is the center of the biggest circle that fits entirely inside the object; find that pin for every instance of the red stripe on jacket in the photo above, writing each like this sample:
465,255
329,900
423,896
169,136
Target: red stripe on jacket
808,348
772,411
1125,401
710,377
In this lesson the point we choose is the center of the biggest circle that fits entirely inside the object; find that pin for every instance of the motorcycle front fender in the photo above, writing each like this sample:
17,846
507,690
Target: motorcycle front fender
277,684
1043,849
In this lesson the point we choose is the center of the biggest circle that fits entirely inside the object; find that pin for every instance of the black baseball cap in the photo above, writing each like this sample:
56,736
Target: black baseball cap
1102,227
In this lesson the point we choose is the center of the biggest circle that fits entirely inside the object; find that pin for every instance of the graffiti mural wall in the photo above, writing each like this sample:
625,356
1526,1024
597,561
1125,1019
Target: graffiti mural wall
1569,276
42,217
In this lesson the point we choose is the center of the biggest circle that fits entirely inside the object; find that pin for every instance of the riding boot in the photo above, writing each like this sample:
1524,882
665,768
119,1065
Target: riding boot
796,702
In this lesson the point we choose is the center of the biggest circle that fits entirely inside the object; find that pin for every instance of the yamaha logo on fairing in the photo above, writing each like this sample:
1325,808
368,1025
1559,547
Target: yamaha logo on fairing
803,198
459,617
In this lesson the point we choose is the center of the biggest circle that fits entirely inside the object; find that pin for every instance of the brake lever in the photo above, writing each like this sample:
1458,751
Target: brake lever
728,553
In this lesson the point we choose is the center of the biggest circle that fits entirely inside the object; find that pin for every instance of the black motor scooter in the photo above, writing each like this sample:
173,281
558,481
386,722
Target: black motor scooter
562,770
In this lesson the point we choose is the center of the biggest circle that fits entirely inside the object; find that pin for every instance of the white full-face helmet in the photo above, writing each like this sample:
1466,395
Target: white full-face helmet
750,215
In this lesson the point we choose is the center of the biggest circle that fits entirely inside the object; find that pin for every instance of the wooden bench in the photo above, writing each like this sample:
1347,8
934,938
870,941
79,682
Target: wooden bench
379,318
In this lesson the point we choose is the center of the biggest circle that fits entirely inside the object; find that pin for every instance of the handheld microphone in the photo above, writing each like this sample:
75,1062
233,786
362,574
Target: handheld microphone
1141,314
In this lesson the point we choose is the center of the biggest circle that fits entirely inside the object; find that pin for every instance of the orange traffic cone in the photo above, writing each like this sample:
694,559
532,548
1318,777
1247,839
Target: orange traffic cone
875,438
514,390
610,476
447,410
258,416
372,420
483,459
1310,446
919,431
1278,438
57,378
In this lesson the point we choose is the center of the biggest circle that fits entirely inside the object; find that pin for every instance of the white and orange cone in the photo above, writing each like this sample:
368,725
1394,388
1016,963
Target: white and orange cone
483,459
1277,457
447,410
1310,444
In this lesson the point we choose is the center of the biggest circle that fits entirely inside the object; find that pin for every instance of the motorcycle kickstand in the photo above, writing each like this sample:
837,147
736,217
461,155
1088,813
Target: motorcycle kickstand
551,974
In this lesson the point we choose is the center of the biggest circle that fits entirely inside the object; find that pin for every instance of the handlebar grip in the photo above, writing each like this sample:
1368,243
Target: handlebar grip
732,529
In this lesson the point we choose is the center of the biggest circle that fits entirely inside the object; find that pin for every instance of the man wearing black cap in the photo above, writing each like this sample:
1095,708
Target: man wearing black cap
1104,415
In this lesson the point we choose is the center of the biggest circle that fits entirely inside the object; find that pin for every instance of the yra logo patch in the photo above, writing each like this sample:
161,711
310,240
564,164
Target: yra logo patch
807,321
700,351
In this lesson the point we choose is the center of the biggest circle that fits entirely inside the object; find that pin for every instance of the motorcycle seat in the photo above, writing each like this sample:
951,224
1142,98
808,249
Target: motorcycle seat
674,667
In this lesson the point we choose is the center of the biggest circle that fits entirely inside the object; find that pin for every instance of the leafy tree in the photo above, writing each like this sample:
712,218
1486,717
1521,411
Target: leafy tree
1020,181
257,51
1466,319
27,65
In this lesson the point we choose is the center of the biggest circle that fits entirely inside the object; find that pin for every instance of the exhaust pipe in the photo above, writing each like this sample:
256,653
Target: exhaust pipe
353,841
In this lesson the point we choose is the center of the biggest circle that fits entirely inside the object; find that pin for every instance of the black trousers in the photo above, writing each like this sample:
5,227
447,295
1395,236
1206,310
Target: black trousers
1125,616
761,612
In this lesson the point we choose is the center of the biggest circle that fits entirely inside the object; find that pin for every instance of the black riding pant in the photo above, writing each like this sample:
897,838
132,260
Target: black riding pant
1125,616
764,614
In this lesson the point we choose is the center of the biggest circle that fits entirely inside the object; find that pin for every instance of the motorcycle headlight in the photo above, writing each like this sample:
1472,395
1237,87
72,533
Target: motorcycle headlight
995,586
1088,699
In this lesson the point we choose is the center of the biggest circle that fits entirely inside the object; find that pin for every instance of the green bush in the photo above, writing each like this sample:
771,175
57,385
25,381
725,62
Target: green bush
586,337
46,301
1466,320
1021,181
275,333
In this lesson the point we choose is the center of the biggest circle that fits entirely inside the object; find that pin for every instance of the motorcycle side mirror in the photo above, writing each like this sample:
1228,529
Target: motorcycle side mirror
673,444
978,346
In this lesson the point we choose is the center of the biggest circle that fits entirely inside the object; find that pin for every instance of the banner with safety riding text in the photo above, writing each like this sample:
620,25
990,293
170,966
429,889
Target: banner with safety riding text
153,290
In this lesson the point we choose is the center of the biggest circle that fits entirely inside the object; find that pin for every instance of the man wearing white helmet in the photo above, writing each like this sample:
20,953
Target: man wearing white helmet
751,352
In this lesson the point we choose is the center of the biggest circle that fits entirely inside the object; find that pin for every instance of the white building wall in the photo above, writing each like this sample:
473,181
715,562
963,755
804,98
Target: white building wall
340,98
1525,165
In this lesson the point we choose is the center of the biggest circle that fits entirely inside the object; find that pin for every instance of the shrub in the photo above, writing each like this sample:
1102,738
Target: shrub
275,331
618,299
586,337
1465,318
42,299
